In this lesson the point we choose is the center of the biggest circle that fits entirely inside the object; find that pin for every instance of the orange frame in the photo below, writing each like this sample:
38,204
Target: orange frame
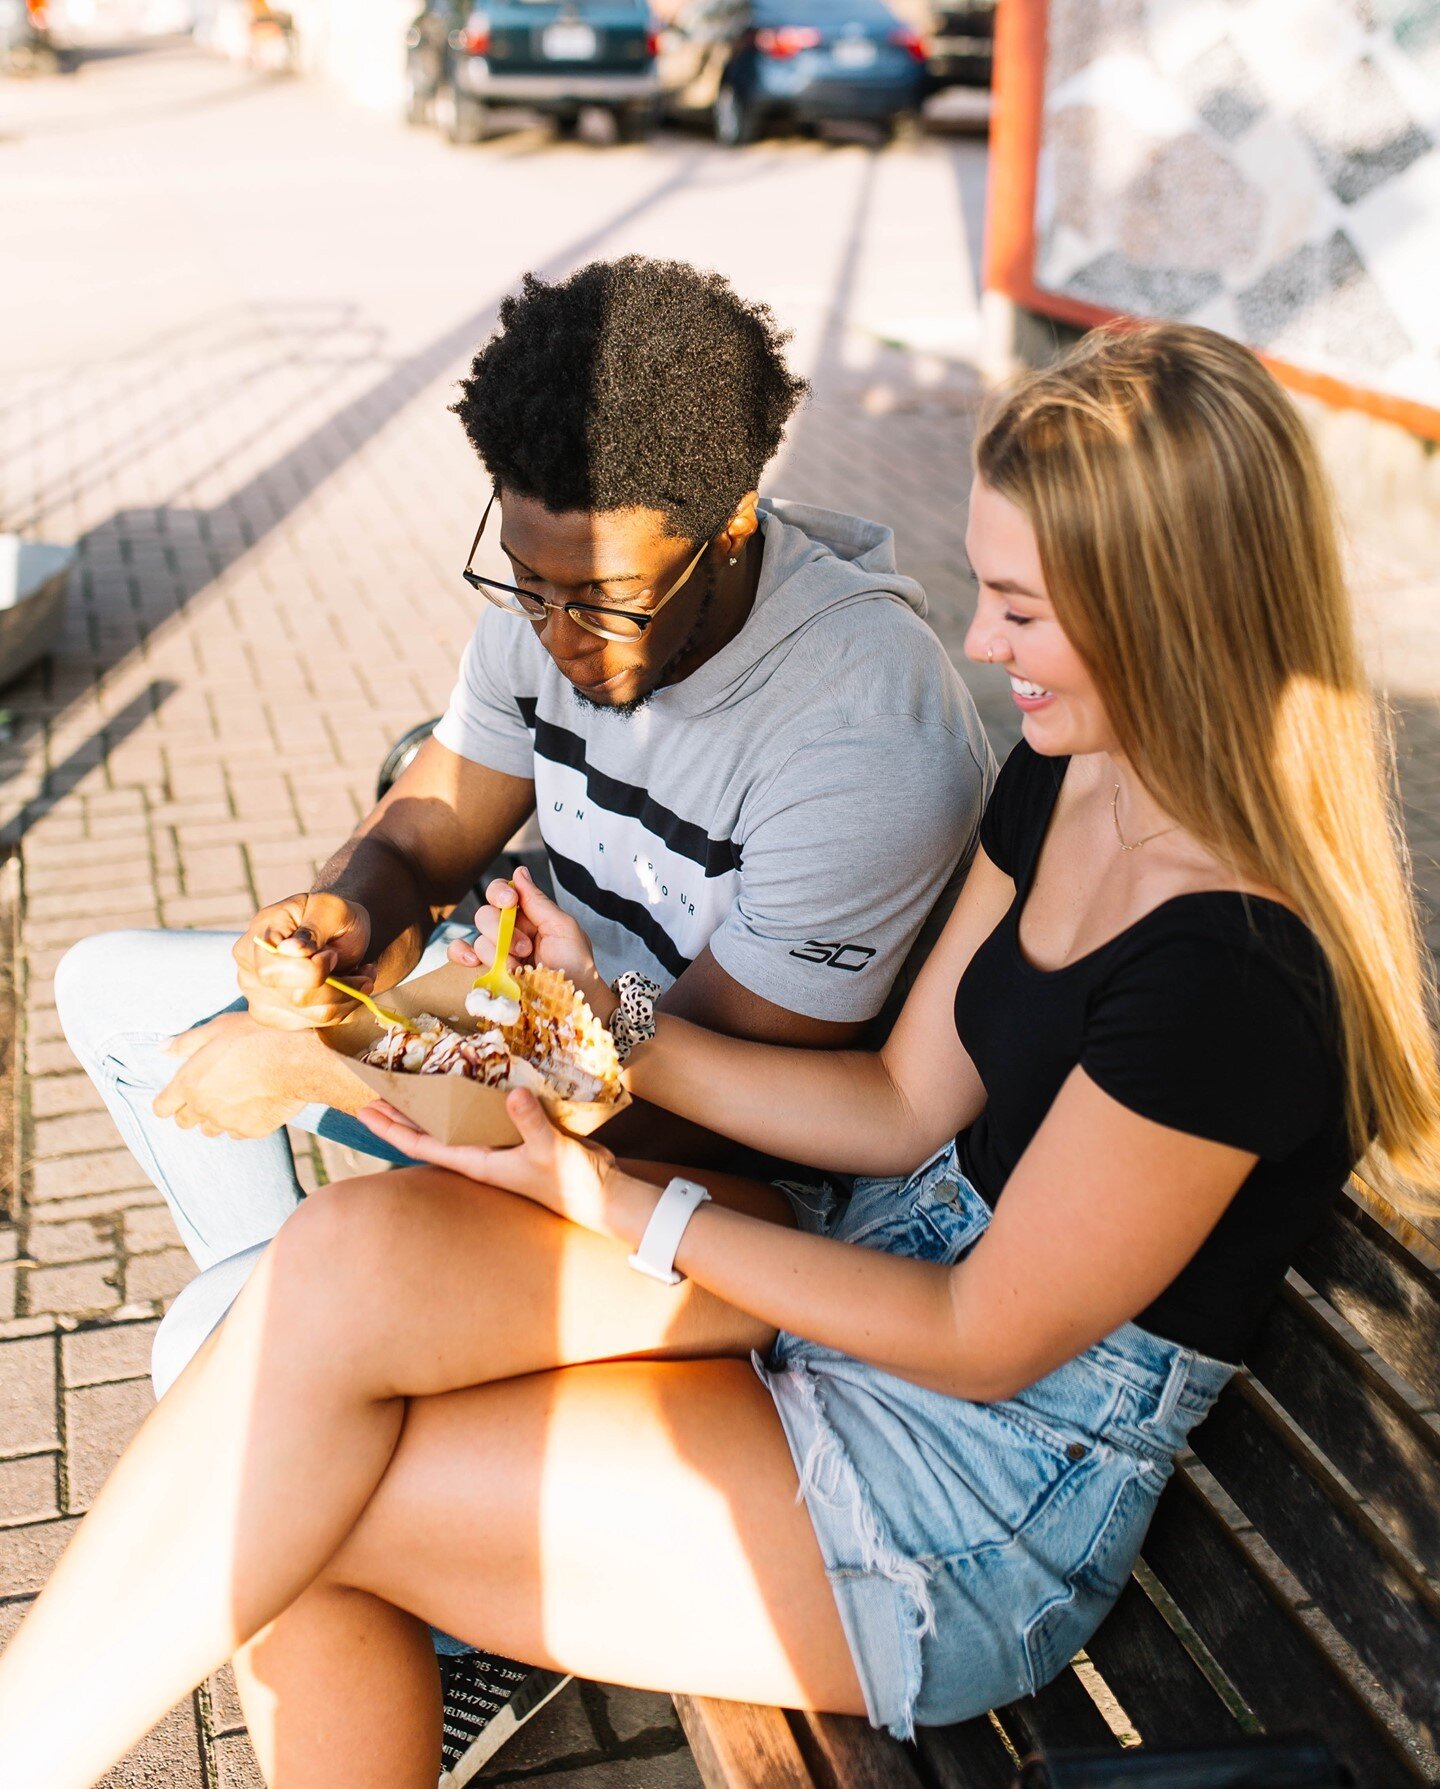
1017,117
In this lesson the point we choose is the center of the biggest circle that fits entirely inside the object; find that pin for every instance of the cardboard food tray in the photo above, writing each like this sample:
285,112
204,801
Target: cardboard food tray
451,1107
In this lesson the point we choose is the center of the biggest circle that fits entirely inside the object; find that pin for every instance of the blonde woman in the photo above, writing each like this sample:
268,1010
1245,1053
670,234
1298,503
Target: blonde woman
1180,996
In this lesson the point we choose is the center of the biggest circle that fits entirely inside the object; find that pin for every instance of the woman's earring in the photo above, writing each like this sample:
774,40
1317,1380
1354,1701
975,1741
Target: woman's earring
734,560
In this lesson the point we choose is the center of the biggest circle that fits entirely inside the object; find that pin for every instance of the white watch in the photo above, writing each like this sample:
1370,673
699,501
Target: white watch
661,1241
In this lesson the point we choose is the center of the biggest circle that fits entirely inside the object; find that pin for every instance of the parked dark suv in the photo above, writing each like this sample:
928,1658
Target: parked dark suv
962,47
747,65
552,56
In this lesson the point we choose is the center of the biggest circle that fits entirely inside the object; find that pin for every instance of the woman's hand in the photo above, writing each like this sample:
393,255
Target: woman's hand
574,1179
544,933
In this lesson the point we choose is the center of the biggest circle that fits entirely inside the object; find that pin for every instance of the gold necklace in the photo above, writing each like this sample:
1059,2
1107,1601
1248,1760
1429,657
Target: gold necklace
1115,816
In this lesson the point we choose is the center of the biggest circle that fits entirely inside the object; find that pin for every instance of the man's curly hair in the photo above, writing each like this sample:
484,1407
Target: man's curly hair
631,384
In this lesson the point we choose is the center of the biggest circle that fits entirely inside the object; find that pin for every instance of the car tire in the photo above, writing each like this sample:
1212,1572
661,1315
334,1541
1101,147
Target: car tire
735,121
566,123
467,118
904,127
634,125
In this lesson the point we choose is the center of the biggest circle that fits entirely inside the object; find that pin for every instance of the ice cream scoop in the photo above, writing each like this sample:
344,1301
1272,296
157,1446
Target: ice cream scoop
496,994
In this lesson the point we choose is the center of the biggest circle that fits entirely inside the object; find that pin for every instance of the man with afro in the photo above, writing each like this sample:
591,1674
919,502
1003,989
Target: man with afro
754,769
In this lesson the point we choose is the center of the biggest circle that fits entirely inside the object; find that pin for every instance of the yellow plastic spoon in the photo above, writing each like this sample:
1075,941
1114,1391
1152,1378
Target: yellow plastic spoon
495,995
381,1013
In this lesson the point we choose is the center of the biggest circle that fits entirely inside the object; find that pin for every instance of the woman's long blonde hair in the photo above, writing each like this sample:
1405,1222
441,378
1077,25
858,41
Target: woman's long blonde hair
1188,539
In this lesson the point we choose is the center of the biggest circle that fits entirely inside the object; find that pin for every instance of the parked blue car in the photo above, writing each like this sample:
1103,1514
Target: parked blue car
749,65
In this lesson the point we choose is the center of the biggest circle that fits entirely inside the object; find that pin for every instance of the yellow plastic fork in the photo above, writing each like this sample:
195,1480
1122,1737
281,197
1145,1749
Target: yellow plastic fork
381,1013
497,979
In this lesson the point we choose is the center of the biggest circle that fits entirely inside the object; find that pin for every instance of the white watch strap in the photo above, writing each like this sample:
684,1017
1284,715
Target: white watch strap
661,1241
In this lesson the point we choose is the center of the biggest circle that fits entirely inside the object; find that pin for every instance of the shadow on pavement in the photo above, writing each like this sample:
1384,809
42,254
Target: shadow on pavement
141,570
82,759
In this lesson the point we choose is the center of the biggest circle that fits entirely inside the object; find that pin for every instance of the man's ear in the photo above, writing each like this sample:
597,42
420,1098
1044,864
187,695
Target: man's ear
745,522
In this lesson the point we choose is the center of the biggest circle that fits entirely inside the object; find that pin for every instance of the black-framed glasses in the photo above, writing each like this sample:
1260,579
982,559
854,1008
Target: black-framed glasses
610,624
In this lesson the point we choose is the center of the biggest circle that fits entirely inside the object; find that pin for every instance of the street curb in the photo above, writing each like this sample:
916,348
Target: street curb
11,1055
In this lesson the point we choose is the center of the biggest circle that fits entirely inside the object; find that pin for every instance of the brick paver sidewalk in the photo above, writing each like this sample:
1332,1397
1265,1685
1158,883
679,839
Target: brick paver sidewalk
228,383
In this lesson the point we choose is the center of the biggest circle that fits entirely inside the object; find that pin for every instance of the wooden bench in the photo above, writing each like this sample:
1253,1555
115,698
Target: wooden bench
1290,1581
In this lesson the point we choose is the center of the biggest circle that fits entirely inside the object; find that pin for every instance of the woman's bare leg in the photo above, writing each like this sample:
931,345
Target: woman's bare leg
243,1482
309,1649
343,1688
632,1522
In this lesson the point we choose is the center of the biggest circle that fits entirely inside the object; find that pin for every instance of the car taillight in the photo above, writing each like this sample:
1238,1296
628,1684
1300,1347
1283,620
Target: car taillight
475,35
652,42
912,41
788,40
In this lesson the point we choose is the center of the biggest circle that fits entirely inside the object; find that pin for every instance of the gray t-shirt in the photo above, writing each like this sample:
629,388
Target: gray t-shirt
799,803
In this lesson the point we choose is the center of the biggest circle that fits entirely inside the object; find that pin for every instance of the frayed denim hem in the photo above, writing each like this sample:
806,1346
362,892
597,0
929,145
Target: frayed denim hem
875,1584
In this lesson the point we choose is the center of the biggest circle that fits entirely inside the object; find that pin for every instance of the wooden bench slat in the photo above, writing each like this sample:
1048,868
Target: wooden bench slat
1356,1417
1157,1683
1061,1714
1274,1659
1368,1588
971,1755
1422,1234
846,1750
740,1745
1384,1289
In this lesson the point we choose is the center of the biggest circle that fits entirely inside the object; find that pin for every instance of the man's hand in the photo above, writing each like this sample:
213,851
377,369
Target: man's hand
314,935
236,1079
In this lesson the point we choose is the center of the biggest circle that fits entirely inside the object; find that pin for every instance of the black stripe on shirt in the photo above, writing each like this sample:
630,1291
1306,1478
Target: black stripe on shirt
717,857
636,919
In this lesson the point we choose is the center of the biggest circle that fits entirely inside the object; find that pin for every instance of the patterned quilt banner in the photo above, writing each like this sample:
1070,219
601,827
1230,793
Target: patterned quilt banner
1268,167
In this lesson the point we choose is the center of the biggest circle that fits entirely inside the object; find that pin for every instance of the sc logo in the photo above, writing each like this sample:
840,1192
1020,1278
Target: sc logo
852,957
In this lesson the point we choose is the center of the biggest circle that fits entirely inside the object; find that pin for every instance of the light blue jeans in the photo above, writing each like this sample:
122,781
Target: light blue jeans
121,996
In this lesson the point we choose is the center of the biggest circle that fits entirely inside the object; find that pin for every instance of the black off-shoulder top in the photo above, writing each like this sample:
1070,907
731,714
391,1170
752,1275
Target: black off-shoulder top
1214,1014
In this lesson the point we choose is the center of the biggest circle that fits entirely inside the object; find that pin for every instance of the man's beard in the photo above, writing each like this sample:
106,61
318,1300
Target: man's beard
626,709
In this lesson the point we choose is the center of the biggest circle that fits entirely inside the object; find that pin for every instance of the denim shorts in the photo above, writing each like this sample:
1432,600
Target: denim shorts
973,1548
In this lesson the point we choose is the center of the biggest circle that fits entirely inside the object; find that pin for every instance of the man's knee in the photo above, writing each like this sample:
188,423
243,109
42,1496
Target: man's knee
89,986
145,984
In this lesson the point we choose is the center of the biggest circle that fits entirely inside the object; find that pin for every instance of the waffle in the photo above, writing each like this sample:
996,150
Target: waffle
558,1033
